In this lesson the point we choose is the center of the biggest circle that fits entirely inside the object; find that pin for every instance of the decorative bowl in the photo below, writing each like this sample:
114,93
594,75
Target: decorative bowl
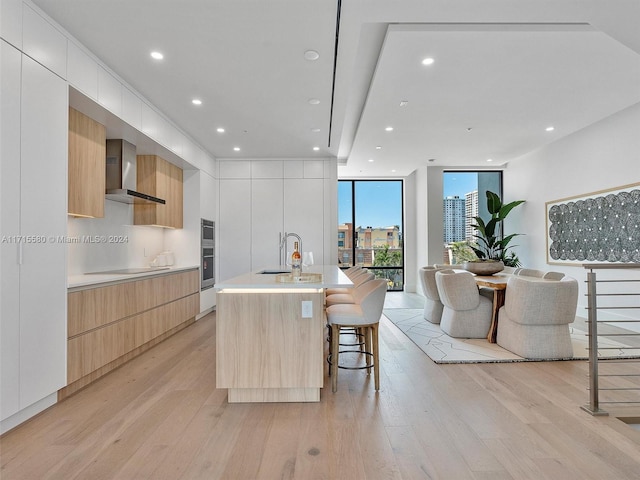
484,267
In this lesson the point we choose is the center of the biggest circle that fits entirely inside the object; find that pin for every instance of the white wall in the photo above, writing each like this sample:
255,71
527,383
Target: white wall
602,156
411,265
429,218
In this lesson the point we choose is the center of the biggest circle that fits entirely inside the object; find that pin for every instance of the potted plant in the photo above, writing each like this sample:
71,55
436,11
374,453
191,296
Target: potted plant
492,249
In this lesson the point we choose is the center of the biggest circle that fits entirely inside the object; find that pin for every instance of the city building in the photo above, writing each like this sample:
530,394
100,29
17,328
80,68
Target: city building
470,211
454,219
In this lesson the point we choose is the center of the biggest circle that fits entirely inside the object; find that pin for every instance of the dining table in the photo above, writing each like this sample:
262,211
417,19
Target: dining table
497,283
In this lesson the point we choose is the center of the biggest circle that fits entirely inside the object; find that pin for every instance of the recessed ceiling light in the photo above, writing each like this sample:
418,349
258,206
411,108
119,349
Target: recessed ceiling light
393,171
371,160
314,101
389,129
315,130
311,55
220,130
378,147
489,159
550,129
315,149
196,101
432,160
404,103
236,149
428,61
157,55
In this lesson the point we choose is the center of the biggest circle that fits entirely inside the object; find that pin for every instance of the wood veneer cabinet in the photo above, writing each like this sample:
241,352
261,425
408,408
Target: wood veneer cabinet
109,325
265,350
157,177
87,144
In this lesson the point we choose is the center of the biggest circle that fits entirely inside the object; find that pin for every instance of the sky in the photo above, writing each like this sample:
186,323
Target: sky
459,183
380,203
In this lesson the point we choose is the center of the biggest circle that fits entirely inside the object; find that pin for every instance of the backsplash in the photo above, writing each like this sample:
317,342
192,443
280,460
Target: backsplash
112,242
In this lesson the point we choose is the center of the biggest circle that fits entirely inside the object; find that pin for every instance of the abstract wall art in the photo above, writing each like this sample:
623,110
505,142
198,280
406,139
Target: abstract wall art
603,226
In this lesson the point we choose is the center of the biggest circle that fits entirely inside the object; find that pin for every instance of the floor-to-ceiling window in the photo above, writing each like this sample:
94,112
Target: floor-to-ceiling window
370,228
464,198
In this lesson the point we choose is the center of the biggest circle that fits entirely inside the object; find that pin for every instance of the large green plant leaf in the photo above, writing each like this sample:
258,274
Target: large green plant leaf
505,209
505,241
489,246
480,226
493,203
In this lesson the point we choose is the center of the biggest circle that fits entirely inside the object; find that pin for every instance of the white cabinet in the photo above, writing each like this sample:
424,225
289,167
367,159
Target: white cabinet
267,218
235,228
43,42
262,198
11,22
109,92
131,108
9,225
304,213
149,121
82,71
34,265
208,207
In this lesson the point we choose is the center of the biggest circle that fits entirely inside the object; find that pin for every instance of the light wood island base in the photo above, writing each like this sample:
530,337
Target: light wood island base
270,336
265,350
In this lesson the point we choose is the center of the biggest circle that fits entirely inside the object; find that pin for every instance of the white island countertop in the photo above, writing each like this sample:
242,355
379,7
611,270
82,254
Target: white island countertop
331,277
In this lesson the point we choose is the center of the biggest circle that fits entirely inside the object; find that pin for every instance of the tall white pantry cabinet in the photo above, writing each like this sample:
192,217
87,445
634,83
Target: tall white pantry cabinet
260,199
33,201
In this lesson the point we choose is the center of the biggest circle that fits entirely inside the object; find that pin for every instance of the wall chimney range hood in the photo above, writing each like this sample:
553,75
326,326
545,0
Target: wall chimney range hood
122,175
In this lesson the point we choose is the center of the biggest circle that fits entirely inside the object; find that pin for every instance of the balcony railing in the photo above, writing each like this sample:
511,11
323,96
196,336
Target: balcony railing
613,303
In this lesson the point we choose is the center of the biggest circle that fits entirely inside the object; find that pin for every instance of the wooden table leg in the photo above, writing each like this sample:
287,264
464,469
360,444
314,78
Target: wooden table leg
498,301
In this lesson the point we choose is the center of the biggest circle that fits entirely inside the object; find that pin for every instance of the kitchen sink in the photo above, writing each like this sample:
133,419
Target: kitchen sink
274,271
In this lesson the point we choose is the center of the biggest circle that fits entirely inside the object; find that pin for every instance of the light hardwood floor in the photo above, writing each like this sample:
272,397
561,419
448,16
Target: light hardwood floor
161,417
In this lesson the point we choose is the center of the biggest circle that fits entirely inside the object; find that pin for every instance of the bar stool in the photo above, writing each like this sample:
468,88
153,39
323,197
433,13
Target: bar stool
351,271
363,315
349,295
361,276
354,295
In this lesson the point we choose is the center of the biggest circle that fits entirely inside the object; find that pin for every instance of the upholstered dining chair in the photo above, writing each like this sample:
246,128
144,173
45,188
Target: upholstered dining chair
466,313
553,275
364,316
432,304
446,266
530,272
534,321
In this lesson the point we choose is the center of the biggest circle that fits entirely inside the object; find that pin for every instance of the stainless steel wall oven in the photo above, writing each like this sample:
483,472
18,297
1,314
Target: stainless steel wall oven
207,258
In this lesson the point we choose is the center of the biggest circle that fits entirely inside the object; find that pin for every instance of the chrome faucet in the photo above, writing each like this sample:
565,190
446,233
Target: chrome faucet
283,245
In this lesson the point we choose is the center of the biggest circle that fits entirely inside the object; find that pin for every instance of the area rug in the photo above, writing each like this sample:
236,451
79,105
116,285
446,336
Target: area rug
441,348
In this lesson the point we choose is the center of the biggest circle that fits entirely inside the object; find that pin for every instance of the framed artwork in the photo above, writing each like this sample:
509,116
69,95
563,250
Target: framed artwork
596,227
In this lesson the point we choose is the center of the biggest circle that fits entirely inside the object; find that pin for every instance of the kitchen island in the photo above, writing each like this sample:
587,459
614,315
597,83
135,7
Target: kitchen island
270,334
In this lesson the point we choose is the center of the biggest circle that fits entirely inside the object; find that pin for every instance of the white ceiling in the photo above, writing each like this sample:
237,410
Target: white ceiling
504,70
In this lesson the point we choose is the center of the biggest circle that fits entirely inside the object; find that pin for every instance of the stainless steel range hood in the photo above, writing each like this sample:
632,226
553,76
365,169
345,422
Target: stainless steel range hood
121,174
